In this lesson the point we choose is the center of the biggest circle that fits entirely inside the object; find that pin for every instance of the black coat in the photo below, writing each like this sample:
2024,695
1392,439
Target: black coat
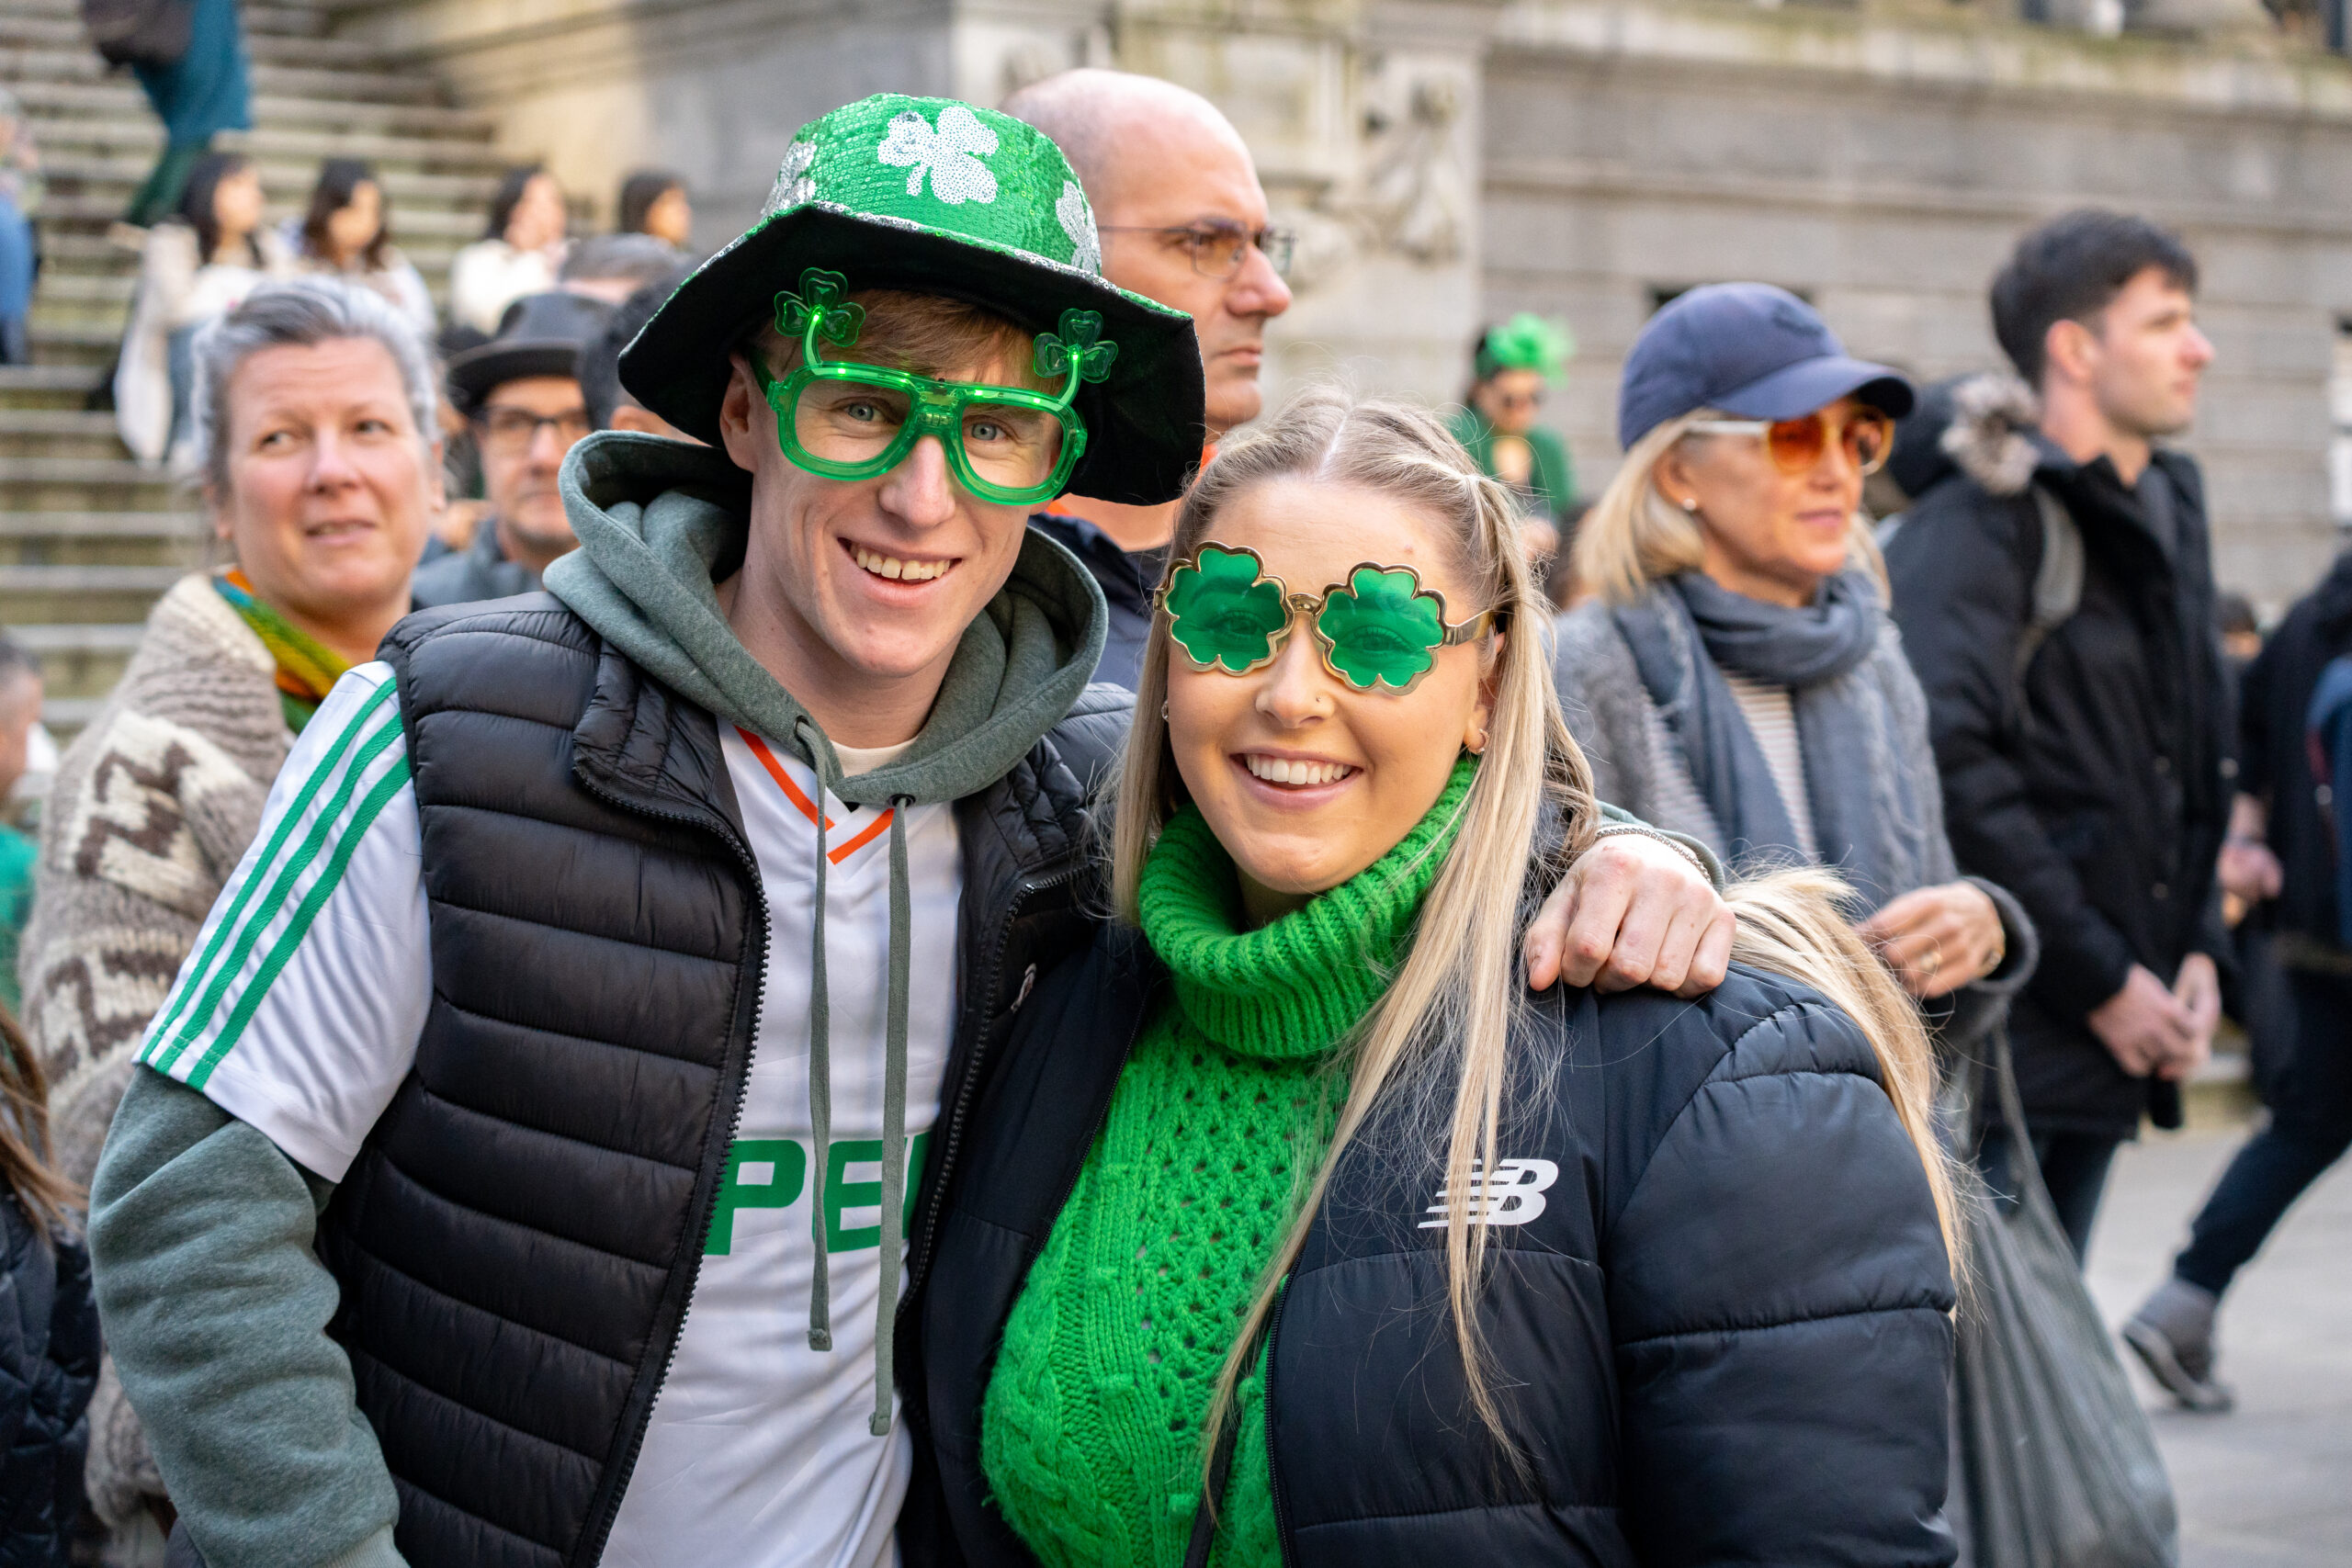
49,1364
2100,803
1127,579
1723,1338
599,937
2274,763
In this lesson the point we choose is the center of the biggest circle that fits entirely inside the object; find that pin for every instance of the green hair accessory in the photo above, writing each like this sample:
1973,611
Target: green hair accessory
1527,342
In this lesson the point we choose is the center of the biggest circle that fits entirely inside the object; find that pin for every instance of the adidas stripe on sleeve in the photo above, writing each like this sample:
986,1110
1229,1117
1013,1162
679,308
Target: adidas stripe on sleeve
298,1010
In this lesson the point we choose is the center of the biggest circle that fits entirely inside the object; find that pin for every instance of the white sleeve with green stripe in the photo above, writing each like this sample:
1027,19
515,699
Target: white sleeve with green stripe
298,1010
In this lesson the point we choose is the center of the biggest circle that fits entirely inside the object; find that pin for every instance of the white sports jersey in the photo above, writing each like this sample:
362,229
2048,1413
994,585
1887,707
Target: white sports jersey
298,1011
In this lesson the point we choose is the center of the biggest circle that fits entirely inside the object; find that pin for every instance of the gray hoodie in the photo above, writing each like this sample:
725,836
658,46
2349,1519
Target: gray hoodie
202,1230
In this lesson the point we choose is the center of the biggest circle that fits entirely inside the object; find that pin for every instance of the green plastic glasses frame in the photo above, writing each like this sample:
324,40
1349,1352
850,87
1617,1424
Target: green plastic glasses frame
1380,628
822,313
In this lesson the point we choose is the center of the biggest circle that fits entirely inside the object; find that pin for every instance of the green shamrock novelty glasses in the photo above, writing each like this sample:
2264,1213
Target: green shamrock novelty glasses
1380,628
848,421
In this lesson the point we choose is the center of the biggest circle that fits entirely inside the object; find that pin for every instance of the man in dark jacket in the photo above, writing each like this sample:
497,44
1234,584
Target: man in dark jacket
2284,845
532,1156
2082,744
1183,222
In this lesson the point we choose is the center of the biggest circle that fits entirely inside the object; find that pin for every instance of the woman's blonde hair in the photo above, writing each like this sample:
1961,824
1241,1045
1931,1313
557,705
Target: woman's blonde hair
1634,535
1440,1032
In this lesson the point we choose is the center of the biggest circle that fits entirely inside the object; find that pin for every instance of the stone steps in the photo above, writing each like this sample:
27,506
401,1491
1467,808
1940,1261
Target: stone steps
121,100
142,141
97,211
281,172
87,537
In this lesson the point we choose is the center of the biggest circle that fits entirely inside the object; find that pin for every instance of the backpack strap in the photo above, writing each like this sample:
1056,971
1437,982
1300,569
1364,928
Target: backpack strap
2057,582
2057,591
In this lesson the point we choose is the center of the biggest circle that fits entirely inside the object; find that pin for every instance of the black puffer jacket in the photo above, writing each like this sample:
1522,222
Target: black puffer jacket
49,1364
1723,1338
2099,802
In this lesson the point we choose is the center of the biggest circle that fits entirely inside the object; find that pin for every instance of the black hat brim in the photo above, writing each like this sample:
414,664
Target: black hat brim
475,373
1144,422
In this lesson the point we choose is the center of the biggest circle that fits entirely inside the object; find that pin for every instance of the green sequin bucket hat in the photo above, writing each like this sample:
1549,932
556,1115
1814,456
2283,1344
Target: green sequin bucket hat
936,197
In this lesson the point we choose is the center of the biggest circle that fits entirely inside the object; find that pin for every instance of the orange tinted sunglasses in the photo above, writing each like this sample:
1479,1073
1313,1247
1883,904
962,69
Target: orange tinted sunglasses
1796,444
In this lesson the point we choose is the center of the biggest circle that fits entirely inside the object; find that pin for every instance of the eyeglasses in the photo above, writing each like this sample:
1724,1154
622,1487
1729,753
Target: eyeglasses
1220,248
1379,627
849,421
1796,444
510,431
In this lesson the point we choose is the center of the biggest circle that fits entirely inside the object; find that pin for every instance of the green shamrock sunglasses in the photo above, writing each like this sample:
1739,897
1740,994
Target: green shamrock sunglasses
848,421
1380,628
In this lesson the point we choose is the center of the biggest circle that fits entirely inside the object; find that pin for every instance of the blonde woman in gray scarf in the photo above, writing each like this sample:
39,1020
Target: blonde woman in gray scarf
1735,676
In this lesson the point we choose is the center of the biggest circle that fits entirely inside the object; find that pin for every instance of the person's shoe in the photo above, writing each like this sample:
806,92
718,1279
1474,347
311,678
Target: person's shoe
2173,1335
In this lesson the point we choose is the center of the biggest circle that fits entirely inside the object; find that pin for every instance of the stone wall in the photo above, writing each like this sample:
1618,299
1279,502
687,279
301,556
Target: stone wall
1450,161
1883,166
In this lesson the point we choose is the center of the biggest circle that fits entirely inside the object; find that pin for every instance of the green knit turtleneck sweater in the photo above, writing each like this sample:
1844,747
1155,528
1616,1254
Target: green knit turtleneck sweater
1091,1434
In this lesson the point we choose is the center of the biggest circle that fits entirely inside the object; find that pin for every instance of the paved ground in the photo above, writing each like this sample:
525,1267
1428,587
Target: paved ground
2271,1485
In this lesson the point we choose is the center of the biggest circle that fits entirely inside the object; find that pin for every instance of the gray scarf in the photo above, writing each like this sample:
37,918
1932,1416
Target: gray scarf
660,522
1814,651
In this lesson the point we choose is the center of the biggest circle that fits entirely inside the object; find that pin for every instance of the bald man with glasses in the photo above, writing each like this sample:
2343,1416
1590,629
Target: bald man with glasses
1184,221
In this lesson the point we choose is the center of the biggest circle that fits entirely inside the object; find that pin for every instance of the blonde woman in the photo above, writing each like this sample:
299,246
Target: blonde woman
1737,677
1294,1228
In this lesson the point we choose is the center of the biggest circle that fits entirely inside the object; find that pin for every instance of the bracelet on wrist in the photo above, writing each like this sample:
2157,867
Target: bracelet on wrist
1642,830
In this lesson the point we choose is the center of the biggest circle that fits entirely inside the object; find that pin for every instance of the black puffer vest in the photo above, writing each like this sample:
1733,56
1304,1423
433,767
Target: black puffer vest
518,1240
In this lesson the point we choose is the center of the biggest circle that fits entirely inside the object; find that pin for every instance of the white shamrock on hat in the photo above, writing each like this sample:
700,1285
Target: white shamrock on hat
794,184
951,155
1077,222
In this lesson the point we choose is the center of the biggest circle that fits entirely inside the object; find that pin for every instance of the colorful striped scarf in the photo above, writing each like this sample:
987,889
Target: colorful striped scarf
307,670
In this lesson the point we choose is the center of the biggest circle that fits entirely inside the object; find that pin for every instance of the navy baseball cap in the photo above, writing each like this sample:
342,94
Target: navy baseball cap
1749,349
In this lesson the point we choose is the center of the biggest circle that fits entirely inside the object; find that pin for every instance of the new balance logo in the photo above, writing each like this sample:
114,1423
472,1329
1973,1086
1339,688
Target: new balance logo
1511,1196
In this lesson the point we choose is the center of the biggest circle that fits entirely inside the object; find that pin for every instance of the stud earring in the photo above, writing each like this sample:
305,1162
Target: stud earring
1691,503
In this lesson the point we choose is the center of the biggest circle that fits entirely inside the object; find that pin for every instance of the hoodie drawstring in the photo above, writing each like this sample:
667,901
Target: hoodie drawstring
894,1117
821,1068
894,1095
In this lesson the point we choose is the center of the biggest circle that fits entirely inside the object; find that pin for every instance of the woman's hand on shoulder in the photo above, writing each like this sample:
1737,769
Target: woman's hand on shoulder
1938,939
1633,911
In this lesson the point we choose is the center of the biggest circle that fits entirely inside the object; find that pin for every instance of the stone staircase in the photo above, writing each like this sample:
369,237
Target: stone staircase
87,538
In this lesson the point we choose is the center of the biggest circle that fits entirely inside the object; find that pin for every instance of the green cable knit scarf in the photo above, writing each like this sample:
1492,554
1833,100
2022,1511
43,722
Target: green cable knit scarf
1294,986
1090,1431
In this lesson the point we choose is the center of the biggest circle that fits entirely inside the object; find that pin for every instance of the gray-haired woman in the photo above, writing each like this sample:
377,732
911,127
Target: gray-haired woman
1738,678
315,404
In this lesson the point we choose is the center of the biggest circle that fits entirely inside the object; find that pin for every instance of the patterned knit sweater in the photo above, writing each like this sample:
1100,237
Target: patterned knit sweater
154,806
1091,1431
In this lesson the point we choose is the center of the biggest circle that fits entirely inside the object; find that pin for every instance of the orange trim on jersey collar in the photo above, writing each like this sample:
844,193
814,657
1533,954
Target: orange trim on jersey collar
808,808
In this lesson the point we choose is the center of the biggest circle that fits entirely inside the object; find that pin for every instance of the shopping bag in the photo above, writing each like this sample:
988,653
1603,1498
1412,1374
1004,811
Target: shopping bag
2054,1464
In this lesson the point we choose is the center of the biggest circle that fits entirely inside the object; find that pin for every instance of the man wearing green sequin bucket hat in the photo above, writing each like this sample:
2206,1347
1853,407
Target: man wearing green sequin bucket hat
523,1169
611,954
